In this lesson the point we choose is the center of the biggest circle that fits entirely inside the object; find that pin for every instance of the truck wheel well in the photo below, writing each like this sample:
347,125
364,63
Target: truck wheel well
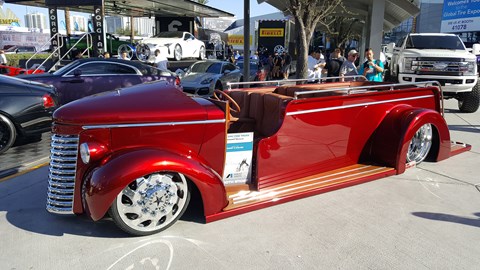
195,211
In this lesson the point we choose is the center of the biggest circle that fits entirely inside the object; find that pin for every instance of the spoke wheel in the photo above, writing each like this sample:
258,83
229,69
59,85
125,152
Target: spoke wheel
7,133
151,204
125,48
178,53
420,144
143,52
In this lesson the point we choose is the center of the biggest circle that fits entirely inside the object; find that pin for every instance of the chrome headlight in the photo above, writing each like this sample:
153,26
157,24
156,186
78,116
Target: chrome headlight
85,153
468,68
407,65
207,81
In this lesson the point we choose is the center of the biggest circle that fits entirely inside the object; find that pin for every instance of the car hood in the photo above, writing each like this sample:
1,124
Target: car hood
438,53
145,103
159,41
197,77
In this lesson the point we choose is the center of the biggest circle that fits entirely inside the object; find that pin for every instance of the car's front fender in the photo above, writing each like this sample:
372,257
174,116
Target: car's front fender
108,180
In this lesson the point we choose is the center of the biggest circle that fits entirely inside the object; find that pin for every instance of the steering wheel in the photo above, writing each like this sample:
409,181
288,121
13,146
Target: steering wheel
229,99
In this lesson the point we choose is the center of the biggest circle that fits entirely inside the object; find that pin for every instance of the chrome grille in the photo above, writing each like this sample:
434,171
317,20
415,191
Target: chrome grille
61,177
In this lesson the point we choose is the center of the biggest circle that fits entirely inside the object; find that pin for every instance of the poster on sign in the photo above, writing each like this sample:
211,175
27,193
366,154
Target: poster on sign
460,16
238,160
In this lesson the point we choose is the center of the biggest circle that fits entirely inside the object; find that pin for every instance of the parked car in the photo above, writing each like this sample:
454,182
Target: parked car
90,76
14,71
115,44
139,153
20,49
257,72
26,109
202,77
175,45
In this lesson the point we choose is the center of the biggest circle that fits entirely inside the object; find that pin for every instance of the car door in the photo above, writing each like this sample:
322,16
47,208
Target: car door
95,77
190,45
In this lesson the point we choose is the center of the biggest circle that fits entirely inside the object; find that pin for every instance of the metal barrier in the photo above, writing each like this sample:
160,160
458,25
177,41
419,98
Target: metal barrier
88,39
60,45
282,82
391,86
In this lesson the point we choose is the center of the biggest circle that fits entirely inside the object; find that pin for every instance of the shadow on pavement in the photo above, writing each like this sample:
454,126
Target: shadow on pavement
466,128
26,211
450,218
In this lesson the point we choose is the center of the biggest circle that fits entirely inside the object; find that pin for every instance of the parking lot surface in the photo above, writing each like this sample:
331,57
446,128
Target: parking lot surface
426,218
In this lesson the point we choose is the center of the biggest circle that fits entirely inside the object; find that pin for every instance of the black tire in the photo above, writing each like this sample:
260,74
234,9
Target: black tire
177,53
469,102
201,53
145,209
8,133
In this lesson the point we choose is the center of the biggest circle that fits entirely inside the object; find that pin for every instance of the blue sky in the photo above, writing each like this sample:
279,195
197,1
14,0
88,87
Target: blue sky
232,6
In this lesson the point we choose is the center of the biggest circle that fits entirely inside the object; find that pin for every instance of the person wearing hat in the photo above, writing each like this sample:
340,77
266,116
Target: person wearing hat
348,67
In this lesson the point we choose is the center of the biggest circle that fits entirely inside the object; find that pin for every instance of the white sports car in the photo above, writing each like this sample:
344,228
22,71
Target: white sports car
176,45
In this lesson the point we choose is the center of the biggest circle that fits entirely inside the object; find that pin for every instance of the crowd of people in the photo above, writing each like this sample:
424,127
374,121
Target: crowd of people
335,65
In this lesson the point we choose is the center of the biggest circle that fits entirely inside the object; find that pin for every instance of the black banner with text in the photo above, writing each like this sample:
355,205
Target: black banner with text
98,37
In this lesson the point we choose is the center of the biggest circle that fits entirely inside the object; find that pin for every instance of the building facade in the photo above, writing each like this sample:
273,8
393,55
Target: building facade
142,26
36,20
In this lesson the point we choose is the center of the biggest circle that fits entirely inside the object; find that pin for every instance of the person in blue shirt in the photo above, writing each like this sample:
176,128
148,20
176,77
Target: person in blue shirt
372,69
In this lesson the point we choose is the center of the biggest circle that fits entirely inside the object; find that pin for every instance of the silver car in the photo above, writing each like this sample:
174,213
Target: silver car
203,77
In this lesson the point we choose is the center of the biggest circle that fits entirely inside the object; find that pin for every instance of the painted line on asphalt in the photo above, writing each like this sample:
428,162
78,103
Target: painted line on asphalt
25,168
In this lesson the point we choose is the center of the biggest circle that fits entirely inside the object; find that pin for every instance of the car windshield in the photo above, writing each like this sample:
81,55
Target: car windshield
174,34
206,67
435,42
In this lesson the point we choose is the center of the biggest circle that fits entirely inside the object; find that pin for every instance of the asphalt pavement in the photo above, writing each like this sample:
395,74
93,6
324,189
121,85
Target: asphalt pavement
426,218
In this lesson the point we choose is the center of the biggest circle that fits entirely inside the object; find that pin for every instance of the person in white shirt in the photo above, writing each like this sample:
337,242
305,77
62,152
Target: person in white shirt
314,65
161,62
3,58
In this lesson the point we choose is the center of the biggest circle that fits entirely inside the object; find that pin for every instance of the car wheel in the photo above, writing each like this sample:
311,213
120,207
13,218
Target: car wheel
151,203
7,133
468,102
420,144
178,53
125,48
201,54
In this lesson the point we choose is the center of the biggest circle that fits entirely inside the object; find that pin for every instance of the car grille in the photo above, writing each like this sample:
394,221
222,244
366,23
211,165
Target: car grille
61,177
189,90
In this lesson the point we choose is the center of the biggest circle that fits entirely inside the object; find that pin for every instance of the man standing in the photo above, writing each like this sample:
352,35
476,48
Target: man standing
287,61
3,58
348,67
334,64
161,62
372,69
314,66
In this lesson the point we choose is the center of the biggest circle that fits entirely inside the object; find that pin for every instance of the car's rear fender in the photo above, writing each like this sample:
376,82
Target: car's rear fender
104,183
390,141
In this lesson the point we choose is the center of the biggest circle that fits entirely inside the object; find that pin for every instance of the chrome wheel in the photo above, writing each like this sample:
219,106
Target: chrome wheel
7,133
420,144
178,53
125,48
151,203
143,52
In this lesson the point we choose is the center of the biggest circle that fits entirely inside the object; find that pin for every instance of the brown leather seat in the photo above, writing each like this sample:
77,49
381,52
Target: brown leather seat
273,113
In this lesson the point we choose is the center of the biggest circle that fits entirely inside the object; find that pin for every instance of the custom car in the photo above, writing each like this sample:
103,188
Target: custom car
138,154
175,45
90,76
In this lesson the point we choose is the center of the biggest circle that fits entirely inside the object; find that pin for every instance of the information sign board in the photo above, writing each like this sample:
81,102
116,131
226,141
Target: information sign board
460,16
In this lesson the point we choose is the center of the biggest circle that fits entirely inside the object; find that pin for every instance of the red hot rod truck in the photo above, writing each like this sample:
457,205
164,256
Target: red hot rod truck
138,153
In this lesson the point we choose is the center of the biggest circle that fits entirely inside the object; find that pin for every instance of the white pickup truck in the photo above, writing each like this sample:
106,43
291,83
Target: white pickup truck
440,57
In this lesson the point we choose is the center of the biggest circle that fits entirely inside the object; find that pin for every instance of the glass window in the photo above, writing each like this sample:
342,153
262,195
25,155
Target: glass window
103,69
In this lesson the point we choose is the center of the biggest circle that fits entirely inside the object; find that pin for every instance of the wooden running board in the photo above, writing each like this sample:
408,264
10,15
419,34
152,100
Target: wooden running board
246,200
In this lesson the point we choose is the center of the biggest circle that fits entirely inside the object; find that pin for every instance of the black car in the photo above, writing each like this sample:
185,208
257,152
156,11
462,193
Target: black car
26,109
85,77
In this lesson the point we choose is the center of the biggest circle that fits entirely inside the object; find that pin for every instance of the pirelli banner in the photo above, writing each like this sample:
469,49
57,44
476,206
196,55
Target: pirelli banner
271,34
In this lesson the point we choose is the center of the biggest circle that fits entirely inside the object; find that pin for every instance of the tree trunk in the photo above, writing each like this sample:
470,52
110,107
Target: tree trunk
302,49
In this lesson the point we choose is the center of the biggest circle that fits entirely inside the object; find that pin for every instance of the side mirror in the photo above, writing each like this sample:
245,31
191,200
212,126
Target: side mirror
227,71
77,72
390,47
476,49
